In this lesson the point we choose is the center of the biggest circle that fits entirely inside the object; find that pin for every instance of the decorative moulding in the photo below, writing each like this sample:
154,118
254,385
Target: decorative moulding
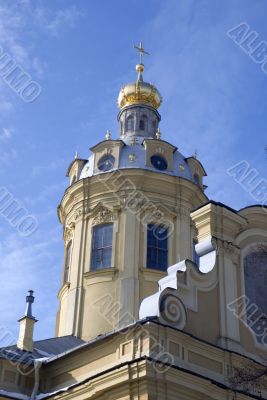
101,215
167,304
206,250
69,232
103,275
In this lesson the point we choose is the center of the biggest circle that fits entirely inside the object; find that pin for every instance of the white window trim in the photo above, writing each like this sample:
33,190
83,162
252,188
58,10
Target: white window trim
170,246
90,246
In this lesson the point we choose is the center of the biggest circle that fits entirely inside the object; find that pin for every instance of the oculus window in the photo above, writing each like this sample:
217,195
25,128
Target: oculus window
106,163
159,162
102,247
157,247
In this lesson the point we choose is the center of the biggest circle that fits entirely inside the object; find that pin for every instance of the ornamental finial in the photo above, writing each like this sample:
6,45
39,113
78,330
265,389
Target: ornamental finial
158,134
108,135
140,67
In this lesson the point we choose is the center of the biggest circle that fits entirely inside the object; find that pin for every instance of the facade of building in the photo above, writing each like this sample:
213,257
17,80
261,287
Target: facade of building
163,290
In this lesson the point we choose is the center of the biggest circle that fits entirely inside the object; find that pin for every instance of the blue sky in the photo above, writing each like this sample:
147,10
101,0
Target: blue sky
81,52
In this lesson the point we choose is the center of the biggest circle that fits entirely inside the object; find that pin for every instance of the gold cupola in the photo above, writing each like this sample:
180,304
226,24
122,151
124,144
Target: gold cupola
139,92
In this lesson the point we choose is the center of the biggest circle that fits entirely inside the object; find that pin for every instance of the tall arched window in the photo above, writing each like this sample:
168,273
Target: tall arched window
143,123
195,255
196,179
102,247
130,124
73,179
157,247
255,272
67,263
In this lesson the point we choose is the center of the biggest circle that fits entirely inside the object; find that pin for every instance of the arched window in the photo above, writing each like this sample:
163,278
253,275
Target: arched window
195,255
102,247
255,272
67,263
157,247
196,179
143,123
130,124
73,179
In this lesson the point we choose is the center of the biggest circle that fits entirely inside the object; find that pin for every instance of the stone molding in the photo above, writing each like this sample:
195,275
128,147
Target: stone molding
69,233
228,249
167,304
102,215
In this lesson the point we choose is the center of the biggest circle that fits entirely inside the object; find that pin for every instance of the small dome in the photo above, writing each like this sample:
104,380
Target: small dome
139,92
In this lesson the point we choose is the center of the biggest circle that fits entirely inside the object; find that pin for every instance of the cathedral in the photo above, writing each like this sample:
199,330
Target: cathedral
163,290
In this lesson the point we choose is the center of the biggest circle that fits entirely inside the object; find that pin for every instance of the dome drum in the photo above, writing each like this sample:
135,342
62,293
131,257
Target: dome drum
139,121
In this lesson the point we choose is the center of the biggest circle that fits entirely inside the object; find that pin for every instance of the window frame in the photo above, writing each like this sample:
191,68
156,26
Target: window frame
93,230
155,268
129,119
144,120
109,157
196,179
195,256
245,251
68,257
162,158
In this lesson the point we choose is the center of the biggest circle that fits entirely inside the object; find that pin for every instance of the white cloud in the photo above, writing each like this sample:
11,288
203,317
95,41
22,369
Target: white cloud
25,16
54,165
39,67
6,133
45,193
55,23
7,157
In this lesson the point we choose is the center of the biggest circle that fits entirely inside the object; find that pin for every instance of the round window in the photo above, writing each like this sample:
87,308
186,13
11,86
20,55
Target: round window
159,162
106,162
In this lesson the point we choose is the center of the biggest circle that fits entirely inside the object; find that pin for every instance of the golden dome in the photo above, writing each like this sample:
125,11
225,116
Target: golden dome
139,92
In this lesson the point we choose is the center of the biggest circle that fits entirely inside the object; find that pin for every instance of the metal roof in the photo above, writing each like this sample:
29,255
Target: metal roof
133,155
47,348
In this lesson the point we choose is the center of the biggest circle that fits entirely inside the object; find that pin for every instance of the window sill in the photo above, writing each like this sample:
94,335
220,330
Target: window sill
102,275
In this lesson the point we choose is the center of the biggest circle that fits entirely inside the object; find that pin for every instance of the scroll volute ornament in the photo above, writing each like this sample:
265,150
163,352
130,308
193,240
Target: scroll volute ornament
69,232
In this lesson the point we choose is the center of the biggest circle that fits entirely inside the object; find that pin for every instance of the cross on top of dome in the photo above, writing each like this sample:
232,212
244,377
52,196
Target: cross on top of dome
141,51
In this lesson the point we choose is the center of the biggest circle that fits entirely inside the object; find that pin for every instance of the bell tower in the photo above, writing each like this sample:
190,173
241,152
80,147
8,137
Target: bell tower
125,217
